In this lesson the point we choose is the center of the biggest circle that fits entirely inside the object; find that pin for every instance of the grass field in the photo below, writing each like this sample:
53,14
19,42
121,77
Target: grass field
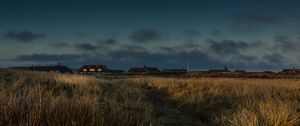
31,98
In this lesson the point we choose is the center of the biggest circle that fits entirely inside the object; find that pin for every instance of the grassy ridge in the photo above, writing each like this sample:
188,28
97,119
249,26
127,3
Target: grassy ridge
30,98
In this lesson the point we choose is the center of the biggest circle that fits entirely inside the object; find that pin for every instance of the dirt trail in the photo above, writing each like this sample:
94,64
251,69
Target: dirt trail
169,115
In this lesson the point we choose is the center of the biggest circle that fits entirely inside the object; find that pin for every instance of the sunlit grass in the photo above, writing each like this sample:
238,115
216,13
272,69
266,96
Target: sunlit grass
32,98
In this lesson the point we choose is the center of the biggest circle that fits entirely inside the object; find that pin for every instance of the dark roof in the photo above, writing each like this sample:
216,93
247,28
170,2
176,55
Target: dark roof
144,69
58,68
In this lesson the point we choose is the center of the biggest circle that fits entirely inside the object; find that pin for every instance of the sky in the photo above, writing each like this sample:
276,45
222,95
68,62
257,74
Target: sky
207,34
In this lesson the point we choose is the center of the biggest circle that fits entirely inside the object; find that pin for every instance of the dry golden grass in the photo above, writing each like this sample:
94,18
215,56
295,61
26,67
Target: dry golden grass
30,98
236,102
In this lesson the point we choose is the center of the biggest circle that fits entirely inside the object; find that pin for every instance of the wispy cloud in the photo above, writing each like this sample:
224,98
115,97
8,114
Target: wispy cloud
226,47
60,44
46,57
23,36
86,46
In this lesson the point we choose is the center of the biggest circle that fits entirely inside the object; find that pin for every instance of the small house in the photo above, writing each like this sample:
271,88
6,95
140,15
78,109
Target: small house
93,69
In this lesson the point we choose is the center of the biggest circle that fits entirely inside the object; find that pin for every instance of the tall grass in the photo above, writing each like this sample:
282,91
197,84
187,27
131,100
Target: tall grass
28,98
236,102
36,98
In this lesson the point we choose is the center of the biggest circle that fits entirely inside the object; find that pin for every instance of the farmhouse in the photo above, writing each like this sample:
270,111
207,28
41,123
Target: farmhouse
144,70
58,68
93,69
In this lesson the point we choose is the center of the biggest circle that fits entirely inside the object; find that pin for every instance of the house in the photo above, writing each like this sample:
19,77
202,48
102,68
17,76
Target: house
144,70
93,69
174,71
219,71
57,68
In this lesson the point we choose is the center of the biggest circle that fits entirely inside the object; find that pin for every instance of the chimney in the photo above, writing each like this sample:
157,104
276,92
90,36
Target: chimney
145,66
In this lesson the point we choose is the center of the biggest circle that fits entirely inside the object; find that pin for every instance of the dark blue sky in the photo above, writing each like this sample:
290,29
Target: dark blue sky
248,34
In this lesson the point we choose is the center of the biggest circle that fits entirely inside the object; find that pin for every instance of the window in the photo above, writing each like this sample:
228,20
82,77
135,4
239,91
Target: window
99,69
84,70
92,69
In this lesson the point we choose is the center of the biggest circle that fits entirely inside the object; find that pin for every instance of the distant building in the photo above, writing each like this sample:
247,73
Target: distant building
174,71
144,70
93,69
219,71
58,68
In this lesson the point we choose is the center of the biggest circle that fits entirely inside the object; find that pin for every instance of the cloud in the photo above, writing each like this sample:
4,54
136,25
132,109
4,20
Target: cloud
23,36
275,58
188,45
209,54
226,47
103,44
253,21
175,58
108,41
46,57
60,44
144,35
284,43
127,52
86,46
